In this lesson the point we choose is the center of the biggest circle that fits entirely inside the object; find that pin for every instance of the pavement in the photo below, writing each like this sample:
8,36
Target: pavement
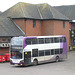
66,67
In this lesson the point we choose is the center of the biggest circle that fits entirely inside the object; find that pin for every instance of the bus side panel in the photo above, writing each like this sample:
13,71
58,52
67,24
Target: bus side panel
49,58
64,54
65,49
49,47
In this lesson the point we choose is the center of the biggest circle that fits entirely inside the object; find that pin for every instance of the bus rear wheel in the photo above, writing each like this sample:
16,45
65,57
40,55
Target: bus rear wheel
35,62
57,59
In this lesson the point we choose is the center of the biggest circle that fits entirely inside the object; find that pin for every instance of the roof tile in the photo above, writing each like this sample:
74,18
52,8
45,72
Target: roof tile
33,11
8,28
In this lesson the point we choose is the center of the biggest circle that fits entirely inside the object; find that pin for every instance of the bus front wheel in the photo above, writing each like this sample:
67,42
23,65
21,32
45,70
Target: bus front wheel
35,62
57,59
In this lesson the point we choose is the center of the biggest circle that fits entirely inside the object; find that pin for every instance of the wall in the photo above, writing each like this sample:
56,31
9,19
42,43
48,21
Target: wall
4,50
59,30
20,23
29,30
55,27
47,27
72,29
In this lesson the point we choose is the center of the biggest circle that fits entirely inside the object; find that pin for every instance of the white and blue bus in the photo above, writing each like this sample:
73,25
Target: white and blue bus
37,49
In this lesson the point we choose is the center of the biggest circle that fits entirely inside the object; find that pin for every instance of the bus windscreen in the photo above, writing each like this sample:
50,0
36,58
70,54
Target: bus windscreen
17,41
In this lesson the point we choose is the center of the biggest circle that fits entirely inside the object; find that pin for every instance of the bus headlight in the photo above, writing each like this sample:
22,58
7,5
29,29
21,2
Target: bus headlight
10,61
22,61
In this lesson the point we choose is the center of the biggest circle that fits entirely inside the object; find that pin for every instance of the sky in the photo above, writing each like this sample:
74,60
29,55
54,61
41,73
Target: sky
6,4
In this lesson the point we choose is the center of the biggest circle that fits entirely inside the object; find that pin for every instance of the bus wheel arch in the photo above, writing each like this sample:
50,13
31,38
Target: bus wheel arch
35,62
57,58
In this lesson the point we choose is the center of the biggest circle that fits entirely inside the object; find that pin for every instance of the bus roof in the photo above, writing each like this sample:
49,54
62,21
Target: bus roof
40,36
48,36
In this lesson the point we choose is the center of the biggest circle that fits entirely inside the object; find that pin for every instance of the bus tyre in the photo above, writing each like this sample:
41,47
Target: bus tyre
57,59
35,62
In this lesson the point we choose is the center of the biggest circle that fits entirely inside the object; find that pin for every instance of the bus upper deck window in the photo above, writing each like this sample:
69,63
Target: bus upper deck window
60,39
34,41
51,40
28,41
56,40
63,39
41,40
47,40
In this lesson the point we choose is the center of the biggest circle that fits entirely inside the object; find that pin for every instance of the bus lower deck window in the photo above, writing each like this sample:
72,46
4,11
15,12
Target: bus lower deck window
47,52
61,50
41,53
56,51
52,52
34,52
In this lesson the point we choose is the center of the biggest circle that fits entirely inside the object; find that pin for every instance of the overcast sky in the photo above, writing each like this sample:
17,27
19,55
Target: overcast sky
5,4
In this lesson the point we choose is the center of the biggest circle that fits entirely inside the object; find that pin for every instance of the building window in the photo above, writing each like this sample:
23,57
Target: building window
3,39
63,24
34,23
9,40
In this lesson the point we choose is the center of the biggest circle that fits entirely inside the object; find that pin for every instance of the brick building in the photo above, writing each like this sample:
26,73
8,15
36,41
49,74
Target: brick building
37,20
7,30
69,11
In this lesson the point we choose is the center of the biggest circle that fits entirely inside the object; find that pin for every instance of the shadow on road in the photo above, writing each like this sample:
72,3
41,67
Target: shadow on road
37,65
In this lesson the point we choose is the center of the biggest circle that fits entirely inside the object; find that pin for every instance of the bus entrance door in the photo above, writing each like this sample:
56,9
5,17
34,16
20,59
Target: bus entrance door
27,58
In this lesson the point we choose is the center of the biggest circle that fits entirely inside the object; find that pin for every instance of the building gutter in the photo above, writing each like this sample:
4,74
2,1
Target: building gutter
17,26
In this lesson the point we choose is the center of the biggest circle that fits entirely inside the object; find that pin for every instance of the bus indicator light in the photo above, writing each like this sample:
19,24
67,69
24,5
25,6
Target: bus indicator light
25,52
21,64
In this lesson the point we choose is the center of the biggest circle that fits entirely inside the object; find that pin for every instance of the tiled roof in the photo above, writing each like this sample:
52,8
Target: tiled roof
8,28
68,10
49,12
33,11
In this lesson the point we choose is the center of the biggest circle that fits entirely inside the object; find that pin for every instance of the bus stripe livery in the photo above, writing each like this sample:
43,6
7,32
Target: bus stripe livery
37,49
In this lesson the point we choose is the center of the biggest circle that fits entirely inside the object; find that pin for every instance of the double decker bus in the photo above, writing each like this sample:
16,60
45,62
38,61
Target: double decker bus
37,49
